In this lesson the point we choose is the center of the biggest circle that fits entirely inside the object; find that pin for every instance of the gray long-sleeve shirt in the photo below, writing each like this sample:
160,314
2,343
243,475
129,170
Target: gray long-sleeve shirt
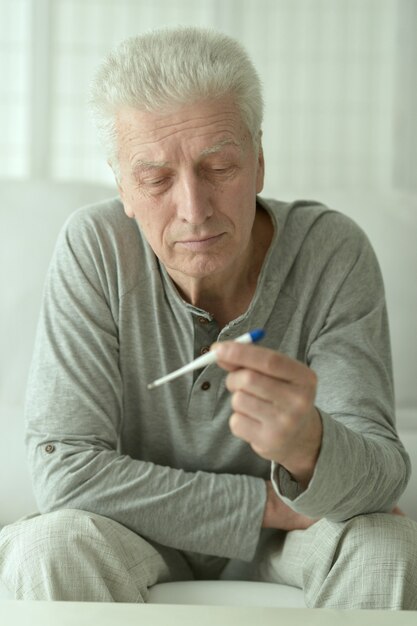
164,462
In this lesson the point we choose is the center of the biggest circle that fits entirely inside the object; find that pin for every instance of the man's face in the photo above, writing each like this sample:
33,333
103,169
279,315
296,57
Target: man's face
190,179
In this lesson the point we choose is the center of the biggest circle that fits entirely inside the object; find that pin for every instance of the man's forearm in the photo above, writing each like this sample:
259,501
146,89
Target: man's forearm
301,466
354,474
219,514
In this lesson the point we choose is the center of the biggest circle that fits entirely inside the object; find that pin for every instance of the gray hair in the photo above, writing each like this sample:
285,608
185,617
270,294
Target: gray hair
167,67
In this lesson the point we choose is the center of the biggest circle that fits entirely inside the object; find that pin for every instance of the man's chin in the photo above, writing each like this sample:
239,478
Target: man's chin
198,267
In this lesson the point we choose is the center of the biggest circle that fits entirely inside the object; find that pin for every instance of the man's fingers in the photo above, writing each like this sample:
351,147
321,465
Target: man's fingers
294,397
397,511
259,359
246,428
275,415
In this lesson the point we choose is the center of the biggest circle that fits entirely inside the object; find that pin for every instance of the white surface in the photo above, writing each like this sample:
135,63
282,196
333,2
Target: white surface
106,614
227,593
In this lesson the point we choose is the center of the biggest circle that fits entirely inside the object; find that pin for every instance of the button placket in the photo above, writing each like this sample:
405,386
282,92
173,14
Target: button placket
205,333
205,382
203,397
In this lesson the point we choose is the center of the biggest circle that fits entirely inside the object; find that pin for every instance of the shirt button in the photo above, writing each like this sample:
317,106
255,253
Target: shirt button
203,320
205,349
49,448
206,385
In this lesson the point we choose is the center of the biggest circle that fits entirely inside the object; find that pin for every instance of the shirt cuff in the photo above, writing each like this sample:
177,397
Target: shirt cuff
315,500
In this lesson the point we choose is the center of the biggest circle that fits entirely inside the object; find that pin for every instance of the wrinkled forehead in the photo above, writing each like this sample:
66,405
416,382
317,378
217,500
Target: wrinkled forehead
209,126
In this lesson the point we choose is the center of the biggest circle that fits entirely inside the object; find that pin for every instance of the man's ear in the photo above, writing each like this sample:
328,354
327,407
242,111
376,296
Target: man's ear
260,174
126,205
122,194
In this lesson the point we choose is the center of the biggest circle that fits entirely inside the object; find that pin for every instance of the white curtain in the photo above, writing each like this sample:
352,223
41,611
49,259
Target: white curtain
339,78
14,88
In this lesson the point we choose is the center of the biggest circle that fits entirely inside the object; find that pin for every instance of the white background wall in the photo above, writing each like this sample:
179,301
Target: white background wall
340,84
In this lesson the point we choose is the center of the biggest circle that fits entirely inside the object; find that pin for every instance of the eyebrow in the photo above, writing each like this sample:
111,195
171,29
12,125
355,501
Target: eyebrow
142,164
219,146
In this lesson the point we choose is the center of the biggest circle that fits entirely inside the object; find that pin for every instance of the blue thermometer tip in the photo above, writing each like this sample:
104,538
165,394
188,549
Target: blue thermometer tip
257,334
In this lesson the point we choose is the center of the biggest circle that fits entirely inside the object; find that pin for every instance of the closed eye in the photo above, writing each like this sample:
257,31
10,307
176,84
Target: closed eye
222,171
155,183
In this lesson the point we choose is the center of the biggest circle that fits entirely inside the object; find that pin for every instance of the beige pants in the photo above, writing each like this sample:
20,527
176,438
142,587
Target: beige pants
367,562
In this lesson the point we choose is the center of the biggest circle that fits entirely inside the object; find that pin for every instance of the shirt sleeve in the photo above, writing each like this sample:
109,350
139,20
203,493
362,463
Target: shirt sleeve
362,465
74,416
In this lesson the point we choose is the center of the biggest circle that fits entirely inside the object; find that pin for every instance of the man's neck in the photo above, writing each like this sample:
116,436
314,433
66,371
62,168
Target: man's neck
228,295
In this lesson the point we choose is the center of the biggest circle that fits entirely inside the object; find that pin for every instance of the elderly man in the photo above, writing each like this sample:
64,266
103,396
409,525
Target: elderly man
282,455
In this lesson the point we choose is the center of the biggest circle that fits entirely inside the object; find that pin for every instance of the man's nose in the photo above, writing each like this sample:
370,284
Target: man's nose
193,203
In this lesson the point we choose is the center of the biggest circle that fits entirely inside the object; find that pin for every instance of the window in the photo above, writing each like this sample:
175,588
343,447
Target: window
334,112
14,87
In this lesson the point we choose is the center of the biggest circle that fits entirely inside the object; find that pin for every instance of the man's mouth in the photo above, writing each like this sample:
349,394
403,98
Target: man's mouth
200,243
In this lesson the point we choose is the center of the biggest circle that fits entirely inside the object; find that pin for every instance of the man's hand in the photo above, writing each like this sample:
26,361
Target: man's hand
397,511
280,516
273,403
